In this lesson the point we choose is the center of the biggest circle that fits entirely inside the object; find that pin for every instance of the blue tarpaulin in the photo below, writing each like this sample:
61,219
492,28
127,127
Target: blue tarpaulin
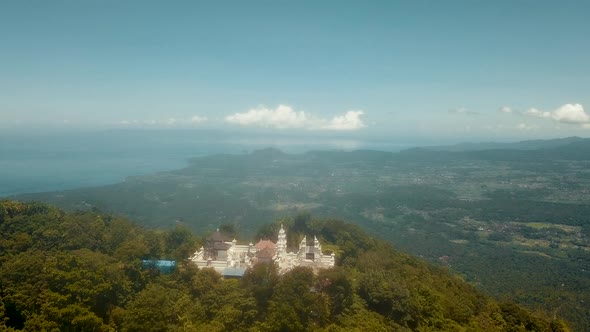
231,272
163,265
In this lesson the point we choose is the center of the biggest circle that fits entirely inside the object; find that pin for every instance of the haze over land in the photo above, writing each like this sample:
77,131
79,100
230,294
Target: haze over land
56,160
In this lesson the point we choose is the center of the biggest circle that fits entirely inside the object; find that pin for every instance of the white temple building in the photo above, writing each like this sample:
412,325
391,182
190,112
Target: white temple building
231,259
309,254
227,257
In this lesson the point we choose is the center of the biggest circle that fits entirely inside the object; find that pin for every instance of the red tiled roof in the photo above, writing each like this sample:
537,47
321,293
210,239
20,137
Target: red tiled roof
266,253
265,244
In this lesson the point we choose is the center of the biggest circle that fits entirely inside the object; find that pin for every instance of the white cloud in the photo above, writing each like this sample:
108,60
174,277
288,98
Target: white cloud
351,120
282,117
571,113
285,117
537,114
568,113
505,109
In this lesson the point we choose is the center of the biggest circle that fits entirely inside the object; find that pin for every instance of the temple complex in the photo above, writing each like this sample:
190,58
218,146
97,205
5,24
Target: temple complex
309,254
231,259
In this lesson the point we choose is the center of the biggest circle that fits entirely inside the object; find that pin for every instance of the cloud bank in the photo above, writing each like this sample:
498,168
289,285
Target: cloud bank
568,113
285,117
571,113
533,112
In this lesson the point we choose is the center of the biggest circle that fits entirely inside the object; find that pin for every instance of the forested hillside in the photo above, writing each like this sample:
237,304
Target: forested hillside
82,272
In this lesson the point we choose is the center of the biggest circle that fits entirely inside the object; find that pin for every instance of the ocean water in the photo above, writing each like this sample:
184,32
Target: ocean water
35,162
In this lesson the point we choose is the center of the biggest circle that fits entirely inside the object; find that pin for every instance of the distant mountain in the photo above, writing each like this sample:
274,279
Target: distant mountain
572,148
577,150
268,153
522,145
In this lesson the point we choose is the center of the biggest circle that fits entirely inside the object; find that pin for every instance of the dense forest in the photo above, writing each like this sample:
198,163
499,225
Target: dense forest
82,272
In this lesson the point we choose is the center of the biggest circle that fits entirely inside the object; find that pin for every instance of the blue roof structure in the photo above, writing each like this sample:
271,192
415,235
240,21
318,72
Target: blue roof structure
232,272
163,265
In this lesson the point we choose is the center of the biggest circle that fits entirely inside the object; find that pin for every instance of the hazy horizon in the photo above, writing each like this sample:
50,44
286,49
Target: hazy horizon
429,70
59,160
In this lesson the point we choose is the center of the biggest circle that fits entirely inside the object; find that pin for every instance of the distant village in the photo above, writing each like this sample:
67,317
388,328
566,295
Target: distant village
231,259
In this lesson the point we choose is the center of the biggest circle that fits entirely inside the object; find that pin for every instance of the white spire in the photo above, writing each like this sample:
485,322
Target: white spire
282,241
303,243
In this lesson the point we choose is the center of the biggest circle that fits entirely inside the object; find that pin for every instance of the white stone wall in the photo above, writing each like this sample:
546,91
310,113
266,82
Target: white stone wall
237,256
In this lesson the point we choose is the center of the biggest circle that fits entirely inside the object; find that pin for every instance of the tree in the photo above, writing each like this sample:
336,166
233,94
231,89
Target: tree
294,306
337,285
153,310
231,305
58,310
260,280
204,281
229,230
20,298
3,317
180,242
88,279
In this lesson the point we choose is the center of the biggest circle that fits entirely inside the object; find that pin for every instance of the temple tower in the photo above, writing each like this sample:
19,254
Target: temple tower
282,242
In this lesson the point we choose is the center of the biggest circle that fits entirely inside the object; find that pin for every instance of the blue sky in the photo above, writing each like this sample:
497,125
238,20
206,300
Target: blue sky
397,68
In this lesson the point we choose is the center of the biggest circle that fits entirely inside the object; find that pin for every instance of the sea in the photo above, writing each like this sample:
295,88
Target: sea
54,161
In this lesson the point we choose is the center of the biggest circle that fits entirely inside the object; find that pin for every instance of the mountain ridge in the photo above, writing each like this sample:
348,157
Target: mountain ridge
93,279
